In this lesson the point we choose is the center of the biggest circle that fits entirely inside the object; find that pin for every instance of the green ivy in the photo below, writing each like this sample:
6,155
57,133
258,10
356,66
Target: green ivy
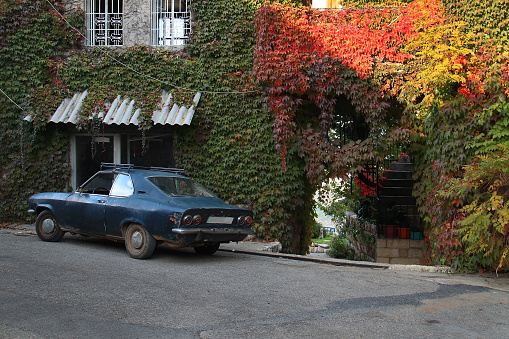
33,43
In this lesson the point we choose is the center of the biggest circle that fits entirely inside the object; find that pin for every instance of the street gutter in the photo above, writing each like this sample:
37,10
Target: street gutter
328,261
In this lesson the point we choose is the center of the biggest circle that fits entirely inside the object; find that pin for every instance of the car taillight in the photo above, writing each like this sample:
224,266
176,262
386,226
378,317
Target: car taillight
249,221
197,219
241,220
188,220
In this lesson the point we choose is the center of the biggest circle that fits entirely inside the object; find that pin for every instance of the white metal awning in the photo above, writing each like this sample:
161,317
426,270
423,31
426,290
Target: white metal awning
121,111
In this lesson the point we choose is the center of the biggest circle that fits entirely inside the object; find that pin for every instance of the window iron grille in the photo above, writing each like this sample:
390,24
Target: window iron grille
105,24
171,22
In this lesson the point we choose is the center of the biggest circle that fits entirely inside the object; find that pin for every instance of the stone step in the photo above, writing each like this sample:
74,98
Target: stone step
395,191
397,200
401,166
393,174
395,182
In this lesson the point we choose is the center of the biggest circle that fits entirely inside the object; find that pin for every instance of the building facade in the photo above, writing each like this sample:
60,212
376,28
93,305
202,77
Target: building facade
115,136
126,23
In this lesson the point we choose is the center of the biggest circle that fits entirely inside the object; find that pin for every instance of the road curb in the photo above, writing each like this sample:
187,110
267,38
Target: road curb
328,261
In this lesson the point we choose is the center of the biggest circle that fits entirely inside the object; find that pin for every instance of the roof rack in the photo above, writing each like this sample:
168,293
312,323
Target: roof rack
105,165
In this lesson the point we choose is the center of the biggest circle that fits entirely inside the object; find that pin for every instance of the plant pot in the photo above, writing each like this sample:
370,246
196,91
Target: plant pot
404,233
389,231
416,236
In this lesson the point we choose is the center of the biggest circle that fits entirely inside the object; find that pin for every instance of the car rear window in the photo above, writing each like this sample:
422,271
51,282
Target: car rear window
181,187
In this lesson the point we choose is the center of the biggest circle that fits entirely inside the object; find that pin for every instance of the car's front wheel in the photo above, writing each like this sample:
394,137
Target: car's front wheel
47,228
207,249
138,242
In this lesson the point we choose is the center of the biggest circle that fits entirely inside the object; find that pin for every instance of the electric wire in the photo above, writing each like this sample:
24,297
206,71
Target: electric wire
14,102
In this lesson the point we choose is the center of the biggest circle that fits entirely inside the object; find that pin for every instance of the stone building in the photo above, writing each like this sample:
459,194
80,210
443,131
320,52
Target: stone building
161,23
121,24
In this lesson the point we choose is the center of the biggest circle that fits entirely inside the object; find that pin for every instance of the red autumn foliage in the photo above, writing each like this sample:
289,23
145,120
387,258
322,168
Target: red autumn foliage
326,54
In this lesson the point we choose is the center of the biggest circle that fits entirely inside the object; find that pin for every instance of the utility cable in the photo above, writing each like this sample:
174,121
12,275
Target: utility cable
14,102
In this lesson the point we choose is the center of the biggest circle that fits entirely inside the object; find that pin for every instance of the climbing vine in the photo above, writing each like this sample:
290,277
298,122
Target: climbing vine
457,105
304,56
231,147
33,44
429,75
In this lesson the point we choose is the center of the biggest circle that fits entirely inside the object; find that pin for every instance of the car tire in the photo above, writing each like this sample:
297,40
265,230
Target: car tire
138,242
207,249
47,228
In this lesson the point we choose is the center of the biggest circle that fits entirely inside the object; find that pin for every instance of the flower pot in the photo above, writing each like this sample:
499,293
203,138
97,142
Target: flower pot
389,231
416,236
404,233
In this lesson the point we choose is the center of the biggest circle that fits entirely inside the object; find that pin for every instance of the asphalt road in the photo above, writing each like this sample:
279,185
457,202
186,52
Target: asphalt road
90,288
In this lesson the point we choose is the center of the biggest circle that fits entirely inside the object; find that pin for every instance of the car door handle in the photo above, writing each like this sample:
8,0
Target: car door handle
102,201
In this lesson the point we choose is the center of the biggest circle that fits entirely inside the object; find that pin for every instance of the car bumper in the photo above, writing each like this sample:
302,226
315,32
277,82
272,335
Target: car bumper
215,231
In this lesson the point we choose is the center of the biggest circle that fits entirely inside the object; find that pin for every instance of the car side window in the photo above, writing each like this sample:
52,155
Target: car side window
99,184
123,186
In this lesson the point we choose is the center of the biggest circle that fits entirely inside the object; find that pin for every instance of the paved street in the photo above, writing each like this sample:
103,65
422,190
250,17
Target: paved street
90,288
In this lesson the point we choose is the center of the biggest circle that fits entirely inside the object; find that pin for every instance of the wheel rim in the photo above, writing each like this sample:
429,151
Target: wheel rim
137,239
48,226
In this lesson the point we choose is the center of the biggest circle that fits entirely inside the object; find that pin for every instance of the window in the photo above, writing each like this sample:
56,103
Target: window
181,187
326,4
123,186
171,22
99,184
105,22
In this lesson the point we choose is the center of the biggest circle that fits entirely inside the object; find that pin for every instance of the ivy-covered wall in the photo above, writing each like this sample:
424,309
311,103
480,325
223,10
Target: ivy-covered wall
447,80
463,140
33,44
430,77
229,147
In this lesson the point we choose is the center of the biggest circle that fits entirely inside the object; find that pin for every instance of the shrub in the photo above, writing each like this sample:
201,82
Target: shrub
340,249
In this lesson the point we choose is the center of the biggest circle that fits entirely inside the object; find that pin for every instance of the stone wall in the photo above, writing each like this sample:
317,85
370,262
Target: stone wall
136,21
400,251
366,244
75,4
362,237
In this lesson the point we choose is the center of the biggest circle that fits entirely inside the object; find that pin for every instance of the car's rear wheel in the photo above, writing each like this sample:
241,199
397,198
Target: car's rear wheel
138,242
207,249
47,228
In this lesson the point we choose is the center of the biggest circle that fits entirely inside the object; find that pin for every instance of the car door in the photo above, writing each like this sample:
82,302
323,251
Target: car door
86,207
120,205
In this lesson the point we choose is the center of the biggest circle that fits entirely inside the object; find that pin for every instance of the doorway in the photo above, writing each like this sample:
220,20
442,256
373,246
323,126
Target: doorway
89,153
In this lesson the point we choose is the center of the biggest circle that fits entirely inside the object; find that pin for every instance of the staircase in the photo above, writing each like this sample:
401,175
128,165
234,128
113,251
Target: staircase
397,206
400,232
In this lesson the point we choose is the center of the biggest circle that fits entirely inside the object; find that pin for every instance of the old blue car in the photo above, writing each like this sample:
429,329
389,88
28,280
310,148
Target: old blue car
142,207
